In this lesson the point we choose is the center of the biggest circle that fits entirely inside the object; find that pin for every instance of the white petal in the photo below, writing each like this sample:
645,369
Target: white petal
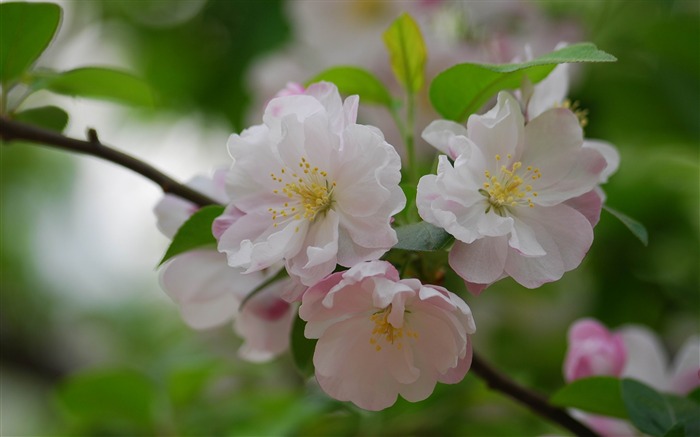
646,358
549,92
207,290
611,155
499,132
482,261
448,137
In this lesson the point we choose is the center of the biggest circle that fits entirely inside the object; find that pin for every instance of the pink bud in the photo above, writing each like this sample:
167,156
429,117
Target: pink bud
593,350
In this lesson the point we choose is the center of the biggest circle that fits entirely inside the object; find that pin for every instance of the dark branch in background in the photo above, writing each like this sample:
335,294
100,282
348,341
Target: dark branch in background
535,402
14,130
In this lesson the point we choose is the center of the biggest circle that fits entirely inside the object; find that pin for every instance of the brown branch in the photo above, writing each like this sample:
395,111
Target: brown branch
534,401
15,130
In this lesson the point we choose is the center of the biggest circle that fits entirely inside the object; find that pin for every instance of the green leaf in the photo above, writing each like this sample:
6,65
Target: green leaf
461,90
637,229
354,80
686,412
26,29
648,410
678,430
422,237
598,395
195,232
407,52
97,83
302,348
108,396
49,117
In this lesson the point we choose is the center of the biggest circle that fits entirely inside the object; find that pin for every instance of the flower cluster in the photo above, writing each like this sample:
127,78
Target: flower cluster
314,192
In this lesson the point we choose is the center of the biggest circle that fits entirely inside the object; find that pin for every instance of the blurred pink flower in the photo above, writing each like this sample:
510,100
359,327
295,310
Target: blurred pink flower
209,292
380,337
504,198
311,187
630,352
593,351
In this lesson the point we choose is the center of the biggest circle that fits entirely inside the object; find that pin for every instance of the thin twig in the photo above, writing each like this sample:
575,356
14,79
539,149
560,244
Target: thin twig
534,401
15,130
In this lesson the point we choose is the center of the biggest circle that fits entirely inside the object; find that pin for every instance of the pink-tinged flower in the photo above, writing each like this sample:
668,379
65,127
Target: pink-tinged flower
630,352
380,337
593,351
209,292
310,187
505,197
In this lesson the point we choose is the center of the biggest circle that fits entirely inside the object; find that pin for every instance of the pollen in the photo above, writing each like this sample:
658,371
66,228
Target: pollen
508,188
306,195
386,333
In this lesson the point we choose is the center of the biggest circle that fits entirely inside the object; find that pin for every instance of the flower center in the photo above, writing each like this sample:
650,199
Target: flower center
309,193
385,332
509,187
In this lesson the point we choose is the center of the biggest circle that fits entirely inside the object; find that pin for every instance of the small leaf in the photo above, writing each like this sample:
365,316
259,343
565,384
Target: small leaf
354,80
598,395
407,52
302,348
422,237
49,117
648,410
461,90
108,396
26,29
637,229
97,83
195,232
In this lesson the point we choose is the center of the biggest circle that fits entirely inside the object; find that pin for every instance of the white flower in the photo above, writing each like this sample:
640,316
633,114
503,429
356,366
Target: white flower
380,336
504,198
311,187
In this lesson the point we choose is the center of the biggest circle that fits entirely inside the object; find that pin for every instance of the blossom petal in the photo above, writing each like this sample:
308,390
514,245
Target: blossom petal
265,324
207,290
482,261
448,137
499,132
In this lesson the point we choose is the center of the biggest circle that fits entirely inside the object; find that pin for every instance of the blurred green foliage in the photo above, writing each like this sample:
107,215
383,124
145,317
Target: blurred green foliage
150,375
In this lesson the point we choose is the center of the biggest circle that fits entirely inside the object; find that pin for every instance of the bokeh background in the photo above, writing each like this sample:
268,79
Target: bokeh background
92,346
